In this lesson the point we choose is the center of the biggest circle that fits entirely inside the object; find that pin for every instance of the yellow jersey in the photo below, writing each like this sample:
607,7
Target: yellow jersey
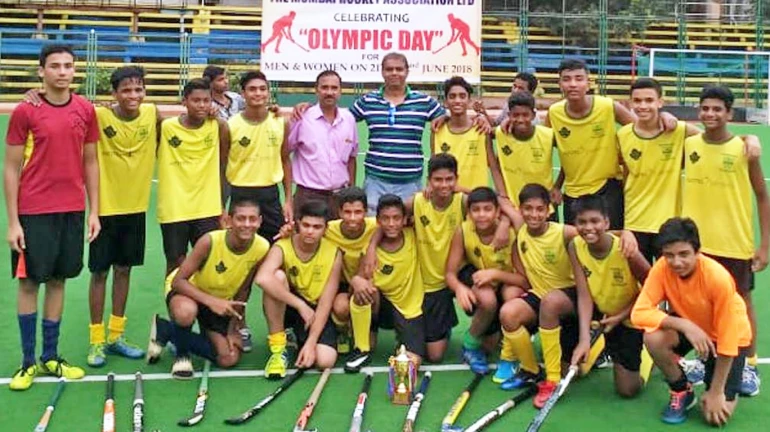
398,277
188,172
353,249
587,149
484,256
653,182
126,153
308,278
545,259
718,196
255,151
470,150
224,271
434,229
610,281
524,162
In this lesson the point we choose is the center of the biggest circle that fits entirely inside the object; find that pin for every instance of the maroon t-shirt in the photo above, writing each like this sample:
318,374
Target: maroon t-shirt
52,179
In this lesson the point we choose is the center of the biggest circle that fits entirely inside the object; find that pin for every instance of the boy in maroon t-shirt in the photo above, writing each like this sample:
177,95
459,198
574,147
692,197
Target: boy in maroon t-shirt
50,163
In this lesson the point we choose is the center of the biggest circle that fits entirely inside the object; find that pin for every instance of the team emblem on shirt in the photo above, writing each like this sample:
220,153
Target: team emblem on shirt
524,247
244,142
564,132
477,251
586,271
635,154
445,147
617,276
110,132
220,268
293,271
387,269
694,157
424,220
174,141
272,138
550,256
728,163
507,150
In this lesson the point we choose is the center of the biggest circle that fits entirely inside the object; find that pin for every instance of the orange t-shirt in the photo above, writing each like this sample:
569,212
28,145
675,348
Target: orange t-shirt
707,298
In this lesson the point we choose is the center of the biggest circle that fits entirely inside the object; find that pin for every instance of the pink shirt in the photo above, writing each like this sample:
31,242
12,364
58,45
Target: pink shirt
322,149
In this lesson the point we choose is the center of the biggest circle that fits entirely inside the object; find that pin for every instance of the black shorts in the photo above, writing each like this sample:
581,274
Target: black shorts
178,235
624,344
465,275
533,301
54,246
269,201
734,378
741,271
293,320
612,191
409,332
438,308
208,321
648,245
120,242
344,287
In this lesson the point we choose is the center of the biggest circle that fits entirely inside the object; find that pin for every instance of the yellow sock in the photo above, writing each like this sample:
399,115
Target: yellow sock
645,368
116,325
521,345
361,319
277,342
551,353
752,361
96,333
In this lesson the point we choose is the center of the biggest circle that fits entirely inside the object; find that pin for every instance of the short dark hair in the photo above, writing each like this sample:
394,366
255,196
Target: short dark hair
213,72
534,191
351,194
481,195
718,92
647,83
49,49
571,65
196,84
242,202
252,75
679,230
326,73
521,99
591,202
388,201
531,80
313,208
442,161
126,73
457,81
395,56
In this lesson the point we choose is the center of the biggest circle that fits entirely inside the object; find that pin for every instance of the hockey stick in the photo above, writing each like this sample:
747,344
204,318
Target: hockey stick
259,406
358,413
200,401
414,409
534,426
503,408
457,407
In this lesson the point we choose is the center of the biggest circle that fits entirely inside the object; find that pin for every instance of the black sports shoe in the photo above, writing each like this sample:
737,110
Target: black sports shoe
356,360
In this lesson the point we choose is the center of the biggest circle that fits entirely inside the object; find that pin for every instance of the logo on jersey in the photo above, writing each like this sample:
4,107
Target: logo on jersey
174,141
293,271
220,268
550,256
523,247
728,163
618,277
667,149
586,271
424,220
635,154
564,132
694,157
273,138
244,142
597,130
387,269
477,251
110,131
507,150
445,147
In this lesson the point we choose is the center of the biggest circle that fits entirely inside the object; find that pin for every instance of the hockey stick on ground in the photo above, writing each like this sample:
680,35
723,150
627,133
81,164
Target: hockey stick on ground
200,401
534,426
259,406
138,419
307,411
358,413
42,425
496,413
457,407
414,409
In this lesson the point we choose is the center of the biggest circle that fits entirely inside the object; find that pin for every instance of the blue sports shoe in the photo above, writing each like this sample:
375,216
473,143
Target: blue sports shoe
678,404
695,370
750,381
523,378
505,371
124,348
476,359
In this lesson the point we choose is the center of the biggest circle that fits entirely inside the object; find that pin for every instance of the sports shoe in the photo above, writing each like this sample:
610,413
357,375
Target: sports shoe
276,365
678,404
343,340
125,349
22,378
96,357
604,361
356,360
522,378
182,369
246,344
160,333
59,367
750,381
476,359
544,391
505,371
695,370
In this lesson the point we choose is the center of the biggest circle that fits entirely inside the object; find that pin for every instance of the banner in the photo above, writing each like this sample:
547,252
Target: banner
301,38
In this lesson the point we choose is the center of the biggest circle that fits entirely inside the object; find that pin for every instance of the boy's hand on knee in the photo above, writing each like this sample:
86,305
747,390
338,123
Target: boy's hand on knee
466,298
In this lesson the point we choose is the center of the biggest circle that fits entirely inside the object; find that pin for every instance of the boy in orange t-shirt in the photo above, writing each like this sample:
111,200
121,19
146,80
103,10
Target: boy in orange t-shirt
706,314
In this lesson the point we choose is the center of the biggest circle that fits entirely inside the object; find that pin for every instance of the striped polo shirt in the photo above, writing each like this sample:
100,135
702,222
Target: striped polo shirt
395,152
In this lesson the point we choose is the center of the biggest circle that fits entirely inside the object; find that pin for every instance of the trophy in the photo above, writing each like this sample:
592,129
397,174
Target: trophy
402,376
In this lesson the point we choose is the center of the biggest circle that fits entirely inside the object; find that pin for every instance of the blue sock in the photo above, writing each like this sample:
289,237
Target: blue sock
201,345
27,329
50,340
180,336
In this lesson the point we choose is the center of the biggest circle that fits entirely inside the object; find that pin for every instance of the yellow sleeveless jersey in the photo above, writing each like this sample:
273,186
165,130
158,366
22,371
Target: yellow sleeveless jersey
126,153
653,185
586,146
255,151
718,196
398,277
470,150
612,285
483,256
224,271
434,229
188,172
308,278
545,259
524,162
352,249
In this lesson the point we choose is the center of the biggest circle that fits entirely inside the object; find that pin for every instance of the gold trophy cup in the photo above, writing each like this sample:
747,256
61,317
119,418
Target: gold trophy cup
402,376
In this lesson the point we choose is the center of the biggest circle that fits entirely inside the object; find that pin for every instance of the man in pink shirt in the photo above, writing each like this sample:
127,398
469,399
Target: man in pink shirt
325,144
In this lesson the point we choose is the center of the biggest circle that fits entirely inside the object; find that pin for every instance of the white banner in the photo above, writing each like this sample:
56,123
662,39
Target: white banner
440,38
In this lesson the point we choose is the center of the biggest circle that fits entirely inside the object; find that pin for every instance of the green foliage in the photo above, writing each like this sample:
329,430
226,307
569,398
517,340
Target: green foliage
103,84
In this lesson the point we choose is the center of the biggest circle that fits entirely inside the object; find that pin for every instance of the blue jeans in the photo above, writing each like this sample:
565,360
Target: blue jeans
375,188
